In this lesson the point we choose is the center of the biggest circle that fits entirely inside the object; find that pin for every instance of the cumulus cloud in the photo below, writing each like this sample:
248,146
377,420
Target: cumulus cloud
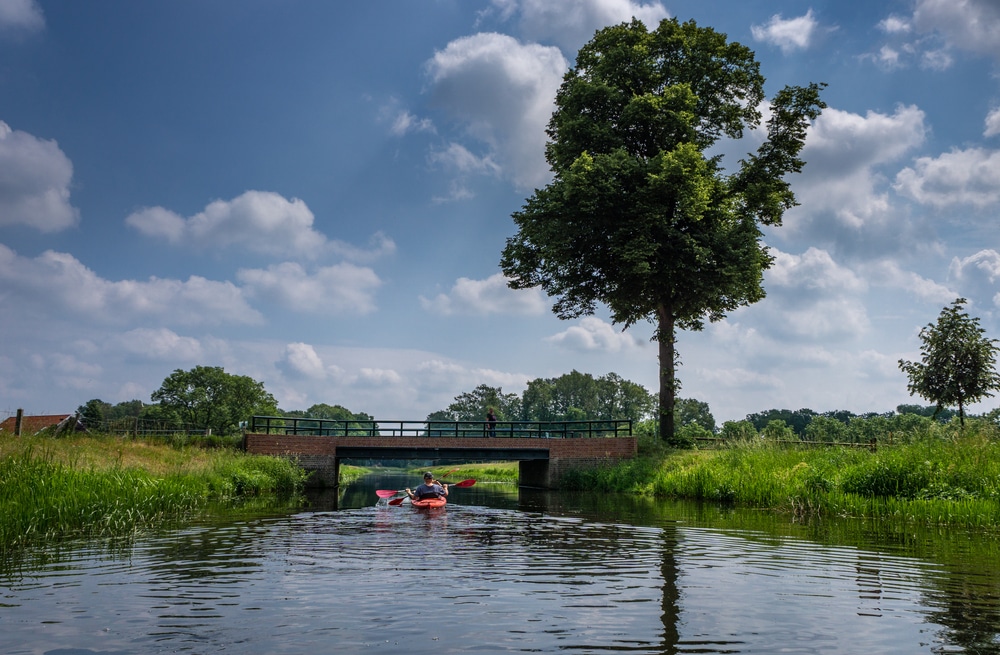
844,197
484,297
592,334
978,277
571,23
967,177
58,283
502,93
341,288
301,360
788,34
972,25
21,16
992,123
160,344
812,297
35,177
937,28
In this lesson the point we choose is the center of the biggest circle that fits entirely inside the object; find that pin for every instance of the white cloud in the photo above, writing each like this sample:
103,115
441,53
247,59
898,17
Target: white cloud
484,297
301,360
978,277
972,25
259,221
895,25
21,16
789,35
457,157
811,297
35,177
160,344
56,283
844,198
378,377
340,288
889,274
992,123
968,177
593,334
405,123
571,23
502,92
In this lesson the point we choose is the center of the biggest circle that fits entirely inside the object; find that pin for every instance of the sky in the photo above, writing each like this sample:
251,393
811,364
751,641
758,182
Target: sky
316,195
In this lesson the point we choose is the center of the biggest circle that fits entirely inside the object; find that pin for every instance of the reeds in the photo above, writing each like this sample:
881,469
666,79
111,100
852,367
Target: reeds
114,488
941,477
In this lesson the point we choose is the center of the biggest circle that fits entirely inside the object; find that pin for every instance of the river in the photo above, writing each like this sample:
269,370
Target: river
502,570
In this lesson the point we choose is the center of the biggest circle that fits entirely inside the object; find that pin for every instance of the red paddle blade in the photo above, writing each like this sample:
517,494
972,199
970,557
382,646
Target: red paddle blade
463,483
385,493
397,501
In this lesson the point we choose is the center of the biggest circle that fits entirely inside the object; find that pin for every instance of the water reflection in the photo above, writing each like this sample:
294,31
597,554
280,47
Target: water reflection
502,570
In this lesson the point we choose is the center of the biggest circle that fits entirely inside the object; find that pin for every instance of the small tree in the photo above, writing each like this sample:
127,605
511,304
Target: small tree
958,363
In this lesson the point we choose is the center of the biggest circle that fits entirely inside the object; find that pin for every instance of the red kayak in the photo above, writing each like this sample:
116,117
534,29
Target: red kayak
429,502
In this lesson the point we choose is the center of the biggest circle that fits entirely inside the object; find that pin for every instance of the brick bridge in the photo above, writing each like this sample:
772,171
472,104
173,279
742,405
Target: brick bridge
543,450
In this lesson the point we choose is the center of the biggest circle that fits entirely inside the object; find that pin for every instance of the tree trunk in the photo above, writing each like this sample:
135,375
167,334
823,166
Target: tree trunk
667,356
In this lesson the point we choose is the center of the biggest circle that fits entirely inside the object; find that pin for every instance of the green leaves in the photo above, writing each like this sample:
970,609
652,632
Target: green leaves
958,363
637,217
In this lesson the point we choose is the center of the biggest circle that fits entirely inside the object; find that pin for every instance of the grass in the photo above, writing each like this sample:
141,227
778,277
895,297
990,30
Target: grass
115,487
488,471
944,476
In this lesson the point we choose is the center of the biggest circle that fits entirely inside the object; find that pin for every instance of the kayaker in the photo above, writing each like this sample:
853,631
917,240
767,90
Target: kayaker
430,488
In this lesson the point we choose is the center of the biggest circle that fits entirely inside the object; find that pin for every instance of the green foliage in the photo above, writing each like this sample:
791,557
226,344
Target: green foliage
738,431
473,405
777,430
638,217
208,397
957,365
690,410
798,420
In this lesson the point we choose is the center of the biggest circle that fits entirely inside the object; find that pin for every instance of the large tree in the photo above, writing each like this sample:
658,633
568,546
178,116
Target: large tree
206,397
638,217
957,365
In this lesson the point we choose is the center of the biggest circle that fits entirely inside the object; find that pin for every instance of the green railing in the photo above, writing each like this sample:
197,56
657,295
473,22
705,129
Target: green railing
453,429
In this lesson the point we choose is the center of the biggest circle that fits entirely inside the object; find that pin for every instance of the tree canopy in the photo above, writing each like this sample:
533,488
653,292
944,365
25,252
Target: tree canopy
958,363
638,217
208,397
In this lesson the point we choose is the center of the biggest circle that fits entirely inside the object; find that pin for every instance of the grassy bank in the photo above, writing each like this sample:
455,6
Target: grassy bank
114,487
941,476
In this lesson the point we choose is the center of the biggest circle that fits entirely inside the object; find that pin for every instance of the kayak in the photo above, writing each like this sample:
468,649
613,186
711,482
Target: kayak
429,502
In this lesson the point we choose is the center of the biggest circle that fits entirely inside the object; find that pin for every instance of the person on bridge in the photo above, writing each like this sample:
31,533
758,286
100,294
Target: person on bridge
430,488
491,420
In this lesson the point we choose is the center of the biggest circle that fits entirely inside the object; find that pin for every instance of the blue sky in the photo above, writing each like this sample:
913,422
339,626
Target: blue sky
316,194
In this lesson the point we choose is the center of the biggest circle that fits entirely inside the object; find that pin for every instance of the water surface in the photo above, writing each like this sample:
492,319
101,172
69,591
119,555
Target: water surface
498,571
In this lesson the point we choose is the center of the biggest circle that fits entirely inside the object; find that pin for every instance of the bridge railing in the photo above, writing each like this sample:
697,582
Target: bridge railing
453,429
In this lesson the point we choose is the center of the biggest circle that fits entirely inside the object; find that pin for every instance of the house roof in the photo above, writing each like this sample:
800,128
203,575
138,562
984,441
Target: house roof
33,424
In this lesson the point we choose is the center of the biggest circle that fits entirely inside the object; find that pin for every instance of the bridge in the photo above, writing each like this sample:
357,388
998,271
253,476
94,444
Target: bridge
544,450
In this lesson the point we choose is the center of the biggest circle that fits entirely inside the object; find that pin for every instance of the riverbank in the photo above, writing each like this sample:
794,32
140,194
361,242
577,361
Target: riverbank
942,475
106,486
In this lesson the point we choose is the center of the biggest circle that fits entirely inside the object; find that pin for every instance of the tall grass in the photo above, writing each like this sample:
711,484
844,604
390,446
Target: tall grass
111,487
939,477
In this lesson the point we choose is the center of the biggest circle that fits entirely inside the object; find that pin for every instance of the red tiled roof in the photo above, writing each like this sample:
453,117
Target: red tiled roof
33,424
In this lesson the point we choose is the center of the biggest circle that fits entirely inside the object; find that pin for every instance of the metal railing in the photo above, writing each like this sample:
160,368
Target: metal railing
453,429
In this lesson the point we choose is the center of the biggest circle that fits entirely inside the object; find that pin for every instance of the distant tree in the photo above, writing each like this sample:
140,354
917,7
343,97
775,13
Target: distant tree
689,410
473,405
826,429
738,431
797,420
842,415
127,409
93,413
958,363
930,411
577,396
641,215
778,430
206,397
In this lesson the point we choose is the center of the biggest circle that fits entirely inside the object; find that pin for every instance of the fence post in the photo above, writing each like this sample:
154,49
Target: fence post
17,422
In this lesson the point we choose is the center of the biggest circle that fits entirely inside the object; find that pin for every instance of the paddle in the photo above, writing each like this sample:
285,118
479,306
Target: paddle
395,502
389,493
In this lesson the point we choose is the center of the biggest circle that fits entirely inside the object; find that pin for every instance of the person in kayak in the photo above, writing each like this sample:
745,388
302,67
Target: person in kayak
430,488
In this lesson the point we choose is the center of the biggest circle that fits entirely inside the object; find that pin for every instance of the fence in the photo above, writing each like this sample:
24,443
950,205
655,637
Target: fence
456,429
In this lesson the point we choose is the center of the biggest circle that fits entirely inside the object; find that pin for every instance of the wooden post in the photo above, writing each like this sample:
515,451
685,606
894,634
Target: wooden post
17,422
